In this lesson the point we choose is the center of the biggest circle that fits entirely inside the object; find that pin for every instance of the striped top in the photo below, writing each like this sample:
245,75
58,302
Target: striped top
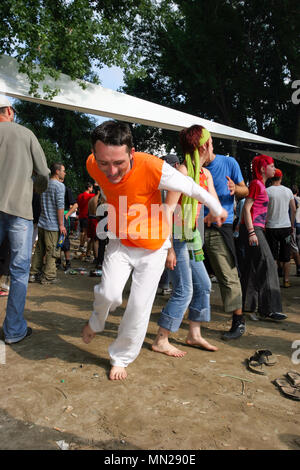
51,201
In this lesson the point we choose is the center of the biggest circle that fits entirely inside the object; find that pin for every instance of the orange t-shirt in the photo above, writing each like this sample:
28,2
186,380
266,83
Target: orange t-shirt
135,214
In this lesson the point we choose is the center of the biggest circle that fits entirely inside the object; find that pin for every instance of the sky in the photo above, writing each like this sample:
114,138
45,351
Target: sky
111,77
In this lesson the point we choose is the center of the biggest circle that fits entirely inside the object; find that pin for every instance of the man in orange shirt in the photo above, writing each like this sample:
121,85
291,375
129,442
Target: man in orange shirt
131,182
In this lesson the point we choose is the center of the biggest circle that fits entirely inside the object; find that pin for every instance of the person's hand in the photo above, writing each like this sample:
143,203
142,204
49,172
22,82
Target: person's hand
219,220
253,240
231,186
171,259
66,216
63,230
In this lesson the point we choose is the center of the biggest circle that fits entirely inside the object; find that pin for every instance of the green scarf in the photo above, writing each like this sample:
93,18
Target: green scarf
189,205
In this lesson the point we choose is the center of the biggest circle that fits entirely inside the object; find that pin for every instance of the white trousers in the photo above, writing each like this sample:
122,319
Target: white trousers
146,267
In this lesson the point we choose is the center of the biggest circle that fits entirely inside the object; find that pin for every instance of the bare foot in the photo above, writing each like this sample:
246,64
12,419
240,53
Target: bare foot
168,349
117,373
87,334
201,342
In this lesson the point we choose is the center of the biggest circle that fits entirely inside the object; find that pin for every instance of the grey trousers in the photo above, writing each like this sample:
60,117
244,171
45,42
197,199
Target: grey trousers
259,277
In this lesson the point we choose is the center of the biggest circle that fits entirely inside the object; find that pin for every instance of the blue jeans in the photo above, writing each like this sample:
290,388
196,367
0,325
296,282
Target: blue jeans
19,232
191,288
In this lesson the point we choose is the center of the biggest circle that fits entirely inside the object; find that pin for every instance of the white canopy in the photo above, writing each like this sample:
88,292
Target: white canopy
287,157
95,99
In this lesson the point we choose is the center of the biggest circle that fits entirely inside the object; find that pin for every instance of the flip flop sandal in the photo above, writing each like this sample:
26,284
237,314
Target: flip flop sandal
266,355
256,364
287,390
294,378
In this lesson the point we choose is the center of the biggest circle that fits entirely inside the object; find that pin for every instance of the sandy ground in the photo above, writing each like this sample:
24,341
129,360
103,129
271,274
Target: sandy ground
54,387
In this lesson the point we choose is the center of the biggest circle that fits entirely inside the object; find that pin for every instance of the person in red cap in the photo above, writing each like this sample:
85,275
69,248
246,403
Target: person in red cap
259,278
280,223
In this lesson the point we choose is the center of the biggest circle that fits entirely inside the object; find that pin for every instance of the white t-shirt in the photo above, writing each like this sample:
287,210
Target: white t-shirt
278,208
297,209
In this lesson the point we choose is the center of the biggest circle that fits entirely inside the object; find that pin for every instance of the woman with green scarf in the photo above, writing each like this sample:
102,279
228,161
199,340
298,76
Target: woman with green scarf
190,281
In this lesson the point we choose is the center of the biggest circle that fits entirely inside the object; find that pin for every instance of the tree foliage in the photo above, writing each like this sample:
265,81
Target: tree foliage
229,61
64,136
69,36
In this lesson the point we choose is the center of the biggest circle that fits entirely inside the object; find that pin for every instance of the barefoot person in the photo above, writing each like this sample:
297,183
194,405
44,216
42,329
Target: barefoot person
131,182
190,281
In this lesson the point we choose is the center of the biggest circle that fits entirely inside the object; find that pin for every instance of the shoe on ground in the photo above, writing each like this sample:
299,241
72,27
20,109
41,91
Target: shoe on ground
286,284
253,316
5,285
274,316
34,278
67,266
166,291
44,281
237,330
11,341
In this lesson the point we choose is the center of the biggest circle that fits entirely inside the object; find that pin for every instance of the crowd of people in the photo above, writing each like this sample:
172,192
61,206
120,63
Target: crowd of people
245,238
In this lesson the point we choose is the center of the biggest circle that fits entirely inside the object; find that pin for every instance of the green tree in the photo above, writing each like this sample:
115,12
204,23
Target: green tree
229,61
69,36
64,136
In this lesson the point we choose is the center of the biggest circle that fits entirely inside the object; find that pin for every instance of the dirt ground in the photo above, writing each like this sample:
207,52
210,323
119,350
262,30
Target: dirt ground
53,387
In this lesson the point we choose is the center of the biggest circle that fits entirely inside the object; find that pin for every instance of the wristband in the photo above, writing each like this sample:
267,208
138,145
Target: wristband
251,234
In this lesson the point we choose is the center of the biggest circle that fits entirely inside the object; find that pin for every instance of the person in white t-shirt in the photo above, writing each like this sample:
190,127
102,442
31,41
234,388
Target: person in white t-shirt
280,223
296,249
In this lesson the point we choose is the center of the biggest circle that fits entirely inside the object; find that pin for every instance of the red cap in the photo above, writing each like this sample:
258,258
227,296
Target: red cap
278,173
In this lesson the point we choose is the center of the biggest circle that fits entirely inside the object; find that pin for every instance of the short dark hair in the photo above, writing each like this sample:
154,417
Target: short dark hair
295,189
88,185
96,188
113,133
54,167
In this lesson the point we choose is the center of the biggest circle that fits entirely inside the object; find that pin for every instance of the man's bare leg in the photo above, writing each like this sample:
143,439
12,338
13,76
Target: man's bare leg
87,334
117,373
162,345
194,337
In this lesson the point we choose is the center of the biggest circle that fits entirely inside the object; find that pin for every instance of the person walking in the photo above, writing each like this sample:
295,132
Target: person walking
23,166
50,227
259,278
190,281
280,223
219,242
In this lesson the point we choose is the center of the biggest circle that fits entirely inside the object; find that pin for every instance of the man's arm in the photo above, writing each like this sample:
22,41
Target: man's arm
173,180
240,190
60,204
292,212
71,210
40,169
60,218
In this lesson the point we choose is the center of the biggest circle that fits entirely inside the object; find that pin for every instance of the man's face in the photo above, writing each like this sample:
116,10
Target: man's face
113,160
61,173
209,152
